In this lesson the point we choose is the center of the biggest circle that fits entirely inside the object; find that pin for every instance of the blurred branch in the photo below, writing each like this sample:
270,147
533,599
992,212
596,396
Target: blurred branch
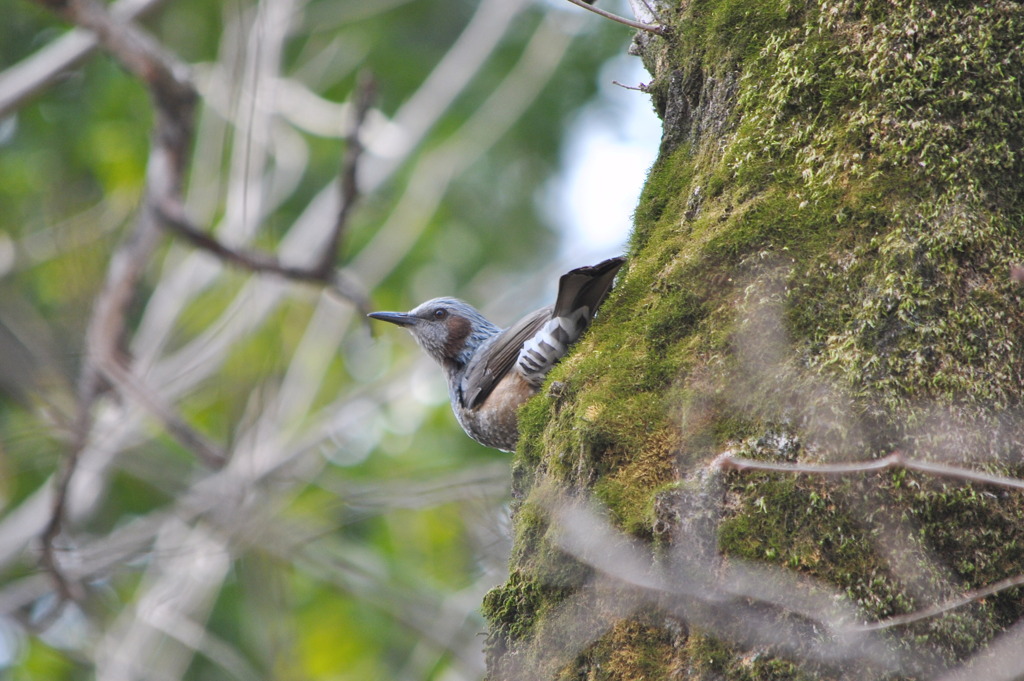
449,79
742,602
131,386
137,52
750,604
323,271
33,75
730,461
174,100
896,460
1001,660
173,218
966,599
357,501
77,231
365,94
656,29
436,169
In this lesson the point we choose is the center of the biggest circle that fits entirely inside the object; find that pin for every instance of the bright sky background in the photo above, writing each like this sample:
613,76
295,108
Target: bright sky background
609,150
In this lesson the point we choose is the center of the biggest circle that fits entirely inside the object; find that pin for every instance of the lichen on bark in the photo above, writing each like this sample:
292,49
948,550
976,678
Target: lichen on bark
819,270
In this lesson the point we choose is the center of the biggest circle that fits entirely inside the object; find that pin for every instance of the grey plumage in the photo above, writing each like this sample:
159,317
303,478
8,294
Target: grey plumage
490,371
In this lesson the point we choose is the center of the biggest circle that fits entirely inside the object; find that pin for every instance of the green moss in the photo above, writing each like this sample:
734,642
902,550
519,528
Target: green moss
806,526
663,195
532,417
628,502
632,650
994,549
714,659
512,607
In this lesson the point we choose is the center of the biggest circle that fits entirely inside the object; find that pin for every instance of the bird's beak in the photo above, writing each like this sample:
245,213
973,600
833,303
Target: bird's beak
400,318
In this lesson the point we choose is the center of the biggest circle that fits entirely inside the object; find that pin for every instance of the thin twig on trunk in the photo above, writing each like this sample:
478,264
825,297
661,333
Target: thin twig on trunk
650,28
730,461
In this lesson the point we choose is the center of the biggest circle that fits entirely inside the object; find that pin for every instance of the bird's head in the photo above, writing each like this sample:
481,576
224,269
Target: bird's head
449,329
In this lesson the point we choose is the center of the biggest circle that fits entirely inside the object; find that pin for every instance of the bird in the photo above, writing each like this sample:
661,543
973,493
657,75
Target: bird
491,371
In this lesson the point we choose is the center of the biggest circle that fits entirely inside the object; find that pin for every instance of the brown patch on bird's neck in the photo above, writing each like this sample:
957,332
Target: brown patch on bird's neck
459,329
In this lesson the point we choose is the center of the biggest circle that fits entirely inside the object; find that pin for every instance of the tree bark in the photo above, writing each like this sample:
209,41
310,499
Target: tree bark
820,273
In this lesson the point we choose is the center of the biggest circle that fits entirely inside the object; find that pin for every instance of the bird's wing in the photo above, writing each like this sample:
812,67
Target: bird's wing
487,368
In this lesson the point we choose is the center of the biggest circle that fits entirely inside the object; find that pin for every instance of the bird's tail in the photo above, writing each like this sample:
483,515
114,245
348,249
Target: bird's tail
585,287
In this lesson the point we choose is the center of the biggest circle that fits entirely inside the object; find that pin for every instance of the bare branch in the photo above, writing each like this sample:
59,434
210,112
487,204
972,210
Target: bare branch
925,613
650,28
66,589
171,214
365,93
173,218
730,461
638,88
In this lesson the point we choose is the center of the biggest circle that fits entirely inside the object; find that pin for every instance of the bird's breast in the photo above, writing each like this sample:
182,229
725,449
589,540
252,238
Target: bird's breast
494,423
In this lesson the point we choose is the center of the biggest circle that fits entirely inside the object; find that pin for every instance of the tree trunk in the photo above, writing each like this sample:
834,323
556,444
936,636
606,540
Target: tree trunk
820,273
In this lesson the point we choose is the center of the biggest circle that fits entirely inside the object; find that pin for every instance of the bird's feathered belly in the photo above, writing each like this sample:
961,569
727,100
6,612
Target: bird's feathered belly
494,423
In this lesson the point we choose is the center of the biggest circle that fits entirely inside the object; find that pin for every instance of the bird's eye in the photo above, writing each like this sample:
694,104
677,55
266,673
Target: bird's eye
440,313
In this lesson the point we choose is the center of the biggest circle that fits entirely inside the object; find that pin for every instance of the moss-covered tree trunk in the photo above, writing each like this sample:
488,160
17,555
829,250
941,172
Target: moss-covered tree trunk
820,272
